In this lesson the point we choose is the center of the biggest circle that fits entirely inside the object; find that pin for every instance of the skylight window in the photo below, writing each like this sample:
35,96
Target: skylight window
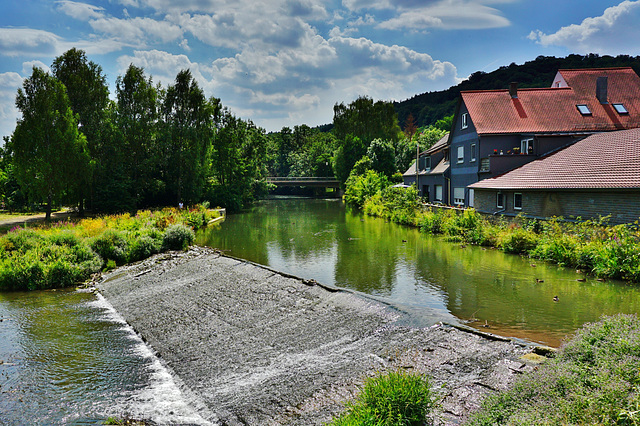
584,110
620,109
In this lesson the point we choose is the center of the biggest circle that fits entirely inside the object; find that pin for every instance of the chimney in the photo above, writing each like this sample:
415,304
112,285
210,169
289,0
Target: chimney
513,89
601,89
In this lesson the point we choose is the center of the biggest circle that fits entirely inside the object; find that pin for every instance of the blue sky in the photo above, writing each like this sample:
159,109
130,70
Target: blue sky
287,62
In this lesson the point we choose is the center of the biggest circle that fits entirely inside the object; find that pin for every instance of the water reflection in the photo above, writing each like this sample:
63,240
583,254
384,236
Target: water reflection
426,276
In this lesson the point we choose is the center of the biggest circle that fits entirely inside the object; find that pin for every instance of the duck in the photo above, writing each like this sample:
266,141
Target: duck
581,280
538,280
555,298
533,265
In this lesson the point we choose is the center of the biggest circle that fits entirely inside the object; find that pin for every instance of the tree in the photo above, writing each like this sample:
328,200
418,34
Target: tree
350,150
48,152
88,96
238,166
366,120
188,133
382,157
136,118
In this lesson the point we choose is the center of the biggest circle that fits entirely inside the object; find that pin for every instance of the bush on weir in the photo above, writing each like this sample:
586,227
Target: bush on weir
394,398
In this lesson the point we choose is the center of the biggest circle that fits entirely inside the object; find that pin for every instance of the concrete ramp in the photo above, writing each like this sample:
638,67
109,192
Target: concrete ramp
251,346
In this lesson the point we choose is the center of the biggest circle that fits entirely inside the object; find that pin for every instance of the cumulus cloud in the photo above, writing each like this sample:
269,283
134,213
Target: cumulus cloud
136,30
162,66
443,14
24,41
27,67
615,32
9,84
81,11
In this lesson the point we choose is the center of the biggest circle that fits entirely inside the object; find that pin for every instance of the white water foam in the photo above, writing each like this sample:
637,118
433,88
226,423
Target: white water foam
161,400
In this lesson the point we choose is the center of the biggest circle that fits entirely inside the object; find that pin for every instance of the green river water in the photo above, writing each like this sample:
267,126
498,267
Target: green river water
426,277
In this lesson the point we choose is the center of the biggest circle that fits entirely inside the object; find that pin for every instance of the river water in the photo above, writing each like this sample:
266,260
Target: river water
66,356
425,276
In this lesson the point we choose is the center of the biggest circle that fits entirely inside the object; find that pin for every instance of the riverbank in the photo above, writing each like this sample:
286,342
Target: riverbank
253,346
592,246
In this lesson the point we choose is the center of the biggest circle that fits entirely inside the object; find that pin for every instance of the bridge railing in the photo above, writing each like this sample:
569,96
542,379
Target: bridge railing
301,179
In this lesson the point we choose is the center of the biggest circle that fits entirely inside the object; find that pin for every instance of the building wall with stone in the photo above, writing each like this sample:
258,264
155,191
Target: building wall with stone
623,206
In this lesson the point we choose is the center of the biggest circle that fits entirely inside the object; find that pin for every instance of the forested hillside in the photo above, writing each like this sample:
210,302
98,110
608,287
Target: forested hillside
427,108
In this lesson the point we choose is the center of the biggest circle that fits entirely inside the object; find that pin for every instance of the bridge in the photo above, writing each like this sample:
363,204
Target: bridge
319,182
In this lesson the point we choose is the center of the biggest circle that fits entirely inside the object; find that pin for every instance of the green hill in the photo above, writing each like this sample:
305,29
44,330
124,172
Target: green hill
429,107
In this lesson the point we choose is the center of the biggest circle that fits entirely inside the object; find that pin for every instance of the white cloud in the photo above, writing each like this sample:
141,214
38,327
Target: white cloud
9,84
27,67
25,41
615,32
163,66
136,30
81,11
443,14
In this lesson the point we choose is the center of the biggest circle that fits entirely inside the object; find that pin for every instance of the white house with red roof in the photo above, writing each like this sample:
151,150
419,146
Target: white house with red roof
495,131
595,177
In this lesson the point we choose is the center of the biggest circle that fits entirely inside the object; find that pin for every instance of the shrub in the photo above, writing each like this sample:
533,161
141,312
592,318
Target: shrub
178,237
111,245
142,247
519,241
395,398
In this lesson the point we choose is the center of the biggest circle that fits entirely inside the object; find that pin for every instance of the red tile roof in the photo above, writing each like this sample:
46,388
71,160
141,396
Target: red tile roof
553,110
602,161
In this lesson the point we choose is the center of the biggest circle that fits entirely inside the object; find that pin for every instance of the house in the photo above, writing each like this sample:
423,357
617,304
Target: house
433,172
495,131
597,176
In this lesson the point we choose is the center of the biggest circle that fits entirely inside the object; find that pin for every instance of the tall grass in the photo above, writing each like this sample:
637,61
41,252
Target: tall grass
394,398
594,380
65,254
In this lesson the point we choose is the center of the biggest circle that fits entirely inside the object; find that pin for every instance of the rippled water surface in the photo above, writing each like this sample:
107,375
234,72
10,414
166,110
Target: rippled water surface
425,276
66,355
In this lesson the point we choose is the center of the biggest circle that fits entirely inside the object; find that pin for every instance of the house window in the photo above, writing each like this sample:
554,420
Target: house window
471,196
458,196
620,108
517,201
465,119
425,192
427,163
584,110
500,200
461,154
473,152
485,164
526,146
438,196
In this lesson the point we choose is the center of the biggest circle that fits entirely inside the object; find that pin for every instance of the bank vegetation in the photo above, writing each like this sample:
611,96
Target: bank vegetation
64,254
592,246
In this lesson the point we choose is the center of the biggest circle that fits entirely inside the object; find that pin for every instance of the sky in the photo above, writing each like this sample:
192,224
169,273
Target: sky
287,62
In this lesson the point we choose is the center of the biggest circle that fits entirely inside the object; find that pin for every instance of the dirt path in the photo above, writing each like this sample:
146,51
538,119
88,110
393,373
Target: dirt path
252,346
35,218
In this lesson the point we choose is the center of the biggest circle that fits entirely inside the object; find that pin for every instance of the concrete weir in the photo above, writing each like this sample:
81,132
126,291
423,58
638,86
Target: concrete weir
252,346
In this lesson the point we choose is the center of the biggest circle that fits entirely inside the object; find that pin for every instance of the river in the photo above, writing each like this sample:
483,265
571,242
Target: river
66,356
425,276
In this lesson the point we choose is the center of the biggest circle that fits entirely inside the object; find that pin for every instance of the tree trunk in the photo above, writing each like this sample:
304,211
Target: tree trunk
48,215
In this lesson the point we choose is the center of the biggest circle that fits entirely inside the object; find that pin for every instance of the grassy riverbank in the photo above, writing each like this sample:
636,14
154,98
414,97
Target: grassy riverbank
68,253
591,246
594,379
